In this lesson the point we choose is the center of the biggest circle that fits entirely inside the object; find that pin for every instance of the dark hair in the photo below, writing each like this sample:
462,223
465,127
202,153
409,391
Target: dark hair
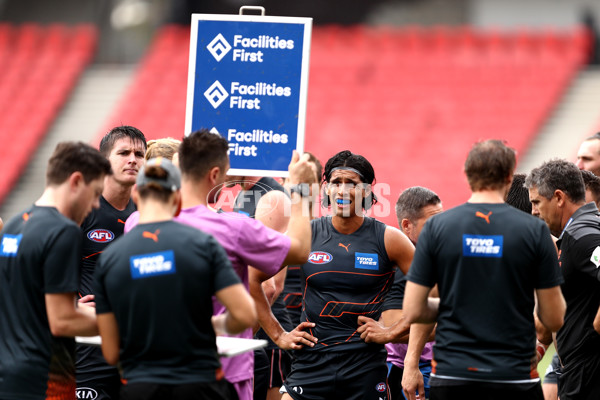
201,151
152,189
411,202
124,131
489,164
555,175
69,157
518,195
348,159
591,183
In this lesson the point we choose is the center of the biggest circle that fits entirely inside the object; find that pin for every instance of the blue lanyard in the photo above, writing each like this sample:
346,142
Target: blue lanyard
565,228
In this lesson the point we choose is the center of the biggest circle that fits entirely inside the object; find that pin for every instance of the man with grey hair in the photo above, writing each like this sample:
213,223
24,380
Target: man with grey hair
557,194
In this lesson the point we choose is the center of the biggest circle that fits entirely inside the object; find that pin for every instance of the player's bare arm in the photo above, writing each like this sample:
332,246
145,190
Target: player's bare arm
241,313
551,307
597,321
65,319
372,331
418,307
301,171
292,340
399,248
109,331
412,378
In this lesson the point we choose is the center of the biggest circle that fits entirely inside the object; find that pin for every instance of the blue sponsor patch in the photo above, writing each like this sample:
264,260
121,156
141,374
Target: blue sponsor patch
483,246
366,261
10,245
145,265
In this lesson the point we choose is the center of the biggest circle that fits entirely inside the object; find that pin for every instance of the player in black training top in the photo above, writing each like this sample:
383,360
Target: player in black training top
349,271
124,147
39,278
488,260
557,193
154,289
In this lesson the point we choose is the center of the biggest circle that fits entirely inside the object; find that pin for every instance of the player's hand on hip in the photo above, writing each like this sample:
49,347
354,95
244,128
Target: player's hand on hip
297,338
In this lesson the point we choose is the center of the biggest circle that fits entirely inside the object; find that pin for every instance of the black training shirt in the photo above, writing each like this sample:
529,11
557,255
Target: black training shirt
579,247
39,255
159,280
345,276
487,260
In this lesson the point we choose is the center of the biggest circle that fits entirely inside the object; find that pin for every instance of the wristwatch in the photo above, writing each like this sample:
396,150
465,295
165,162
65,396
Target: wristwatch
303,189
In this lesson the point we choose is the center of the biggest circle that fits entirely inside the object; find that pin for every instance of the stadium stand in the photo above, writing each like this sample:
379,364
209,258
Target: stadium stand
39,66
412,100
155,100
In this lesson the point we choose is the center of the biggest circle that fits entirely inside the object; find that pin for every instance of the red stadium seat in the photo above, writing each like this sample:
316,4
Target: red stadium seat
412,100
35,81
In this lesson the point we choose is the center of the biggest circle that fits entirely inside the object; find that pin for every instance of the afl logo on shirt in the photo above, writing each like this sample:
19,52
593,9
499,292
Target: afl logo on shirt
101,235
380,387
319,257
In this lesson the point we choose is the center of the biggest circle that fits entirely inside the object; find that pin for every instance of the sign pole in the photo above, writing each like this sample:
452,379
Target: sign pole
254,8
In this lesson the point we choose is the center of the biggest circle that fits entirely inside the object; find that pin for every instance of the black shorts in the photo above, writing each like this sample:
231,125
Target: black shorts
485,392
95,378
359,375
261,374
98,388
395,382
580,380
280,363
221,390
271,366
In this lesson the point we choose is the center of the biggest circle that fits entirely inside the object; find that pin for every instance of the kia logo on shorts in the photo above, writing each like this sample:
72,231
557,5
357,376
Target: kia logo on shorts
380,387
86,393
101,235
319,257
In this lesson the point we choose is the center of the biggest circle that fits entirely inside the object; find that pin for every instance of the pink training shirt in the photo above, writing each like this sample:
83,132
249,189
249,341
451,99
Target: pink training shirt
397,352
247,242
